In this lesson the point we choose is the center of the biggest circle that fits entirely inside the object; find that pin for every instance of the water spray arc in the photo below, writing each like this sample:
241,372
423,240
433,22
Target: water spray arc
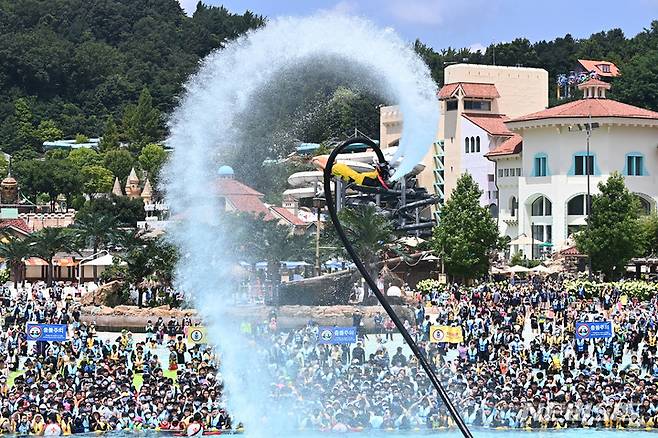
222,114
331,206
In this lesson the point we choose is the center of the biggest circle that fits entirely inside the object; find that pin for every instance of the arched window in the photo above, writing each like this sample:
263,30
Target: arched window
472,144
645,206
493,209
513,205
468,145
477,144
577,206
542,206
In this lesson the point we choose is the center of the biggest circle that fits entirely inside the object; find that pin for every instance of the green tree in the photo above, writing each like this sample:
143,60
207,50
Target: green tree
152,157
24,155
4,165
466,234
369,232
124,210
613,235
57,154
47,242
65,178
110,139
25,134
34,177
148,258
81,138
96,231
96,179
14,252
142,122
119,162
82,157
48,131
649,227
638,84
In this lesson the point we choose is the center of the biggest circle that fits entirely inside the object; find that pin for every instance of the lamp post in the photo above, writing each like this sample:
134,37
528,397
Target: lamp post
318,203
589,169
532,240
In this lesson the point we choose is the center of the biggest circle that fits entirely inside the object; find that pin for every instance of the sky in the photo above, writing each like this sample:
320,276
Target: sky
470,23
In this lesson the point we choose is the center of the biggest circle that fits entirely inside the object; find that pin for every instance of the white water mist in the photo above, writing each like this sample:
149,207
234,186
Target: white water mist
206,121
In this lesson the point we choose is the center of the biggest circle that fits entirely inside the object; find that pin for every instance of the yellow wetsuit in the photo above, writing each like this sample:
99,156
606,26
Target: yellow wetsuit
345,172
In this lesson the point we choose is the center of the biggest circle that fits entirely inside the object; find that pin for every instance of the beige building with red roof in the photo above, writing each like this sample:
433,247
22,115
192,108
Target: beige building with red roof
603,69
475,103
547,200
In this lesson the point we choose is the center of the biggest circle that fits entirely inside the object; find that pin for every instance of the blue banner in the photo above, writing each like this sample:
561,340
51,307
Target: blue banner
45,332
337,335
594,330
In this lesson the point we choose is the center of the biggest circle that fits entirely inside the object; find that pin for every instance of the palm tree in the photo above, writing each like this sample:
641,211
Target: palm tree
146,258
272,242
14,251
369,232
95,230
48,242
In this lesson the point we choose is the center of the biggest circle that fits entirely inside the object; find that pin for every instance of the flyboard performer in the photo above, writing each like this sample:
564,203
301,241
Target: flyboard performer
379,181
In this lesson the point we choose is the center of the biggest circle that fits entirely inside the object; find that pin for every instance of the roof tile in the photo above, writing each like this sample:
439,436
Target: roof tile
594,107
470,89
288,216
511,146
494,124
19,224
227,187
593,65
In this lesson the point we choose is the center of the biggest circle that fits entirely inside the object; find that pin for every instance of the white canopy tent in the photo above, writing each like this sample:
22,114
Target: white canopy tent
524,240
92,269
105,260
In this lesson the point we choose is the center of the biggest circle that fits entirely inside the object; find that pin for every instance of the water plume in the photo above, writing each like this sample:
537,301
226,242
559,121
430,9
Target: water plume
207,123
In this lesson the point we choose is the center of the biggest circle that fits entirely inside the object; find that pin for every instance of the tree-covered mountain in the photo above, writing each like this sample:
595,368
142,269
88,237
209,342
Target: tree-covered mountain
116,68
76,62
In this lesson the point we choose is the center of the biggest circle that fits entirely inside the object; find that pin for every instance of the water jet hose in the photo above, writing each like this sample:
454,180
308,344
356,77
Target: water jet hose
373,286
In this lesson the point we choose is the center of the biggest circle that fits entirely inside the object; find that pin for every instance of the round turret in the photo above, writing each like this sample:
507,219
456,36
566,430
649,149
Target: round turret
9,190
226,172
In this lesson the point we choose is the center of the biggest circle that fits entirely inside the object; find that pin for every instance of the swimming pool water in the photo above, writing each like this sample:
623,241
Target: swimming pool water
477,433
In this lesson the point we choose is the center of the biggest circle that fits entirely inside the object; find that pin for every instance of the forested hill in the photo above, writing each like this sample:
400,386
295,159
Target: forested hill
78,61
636,56
72,67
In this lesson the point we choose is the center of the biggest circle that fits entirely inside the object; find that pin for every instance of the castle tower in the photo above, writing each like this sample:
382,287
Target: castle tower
9,190
147,192
116,190
132,185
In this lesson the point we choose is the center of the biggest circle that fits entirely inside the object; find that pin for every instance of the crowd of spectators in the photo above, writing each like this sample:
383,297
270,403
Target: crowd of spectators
519,366
90,384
